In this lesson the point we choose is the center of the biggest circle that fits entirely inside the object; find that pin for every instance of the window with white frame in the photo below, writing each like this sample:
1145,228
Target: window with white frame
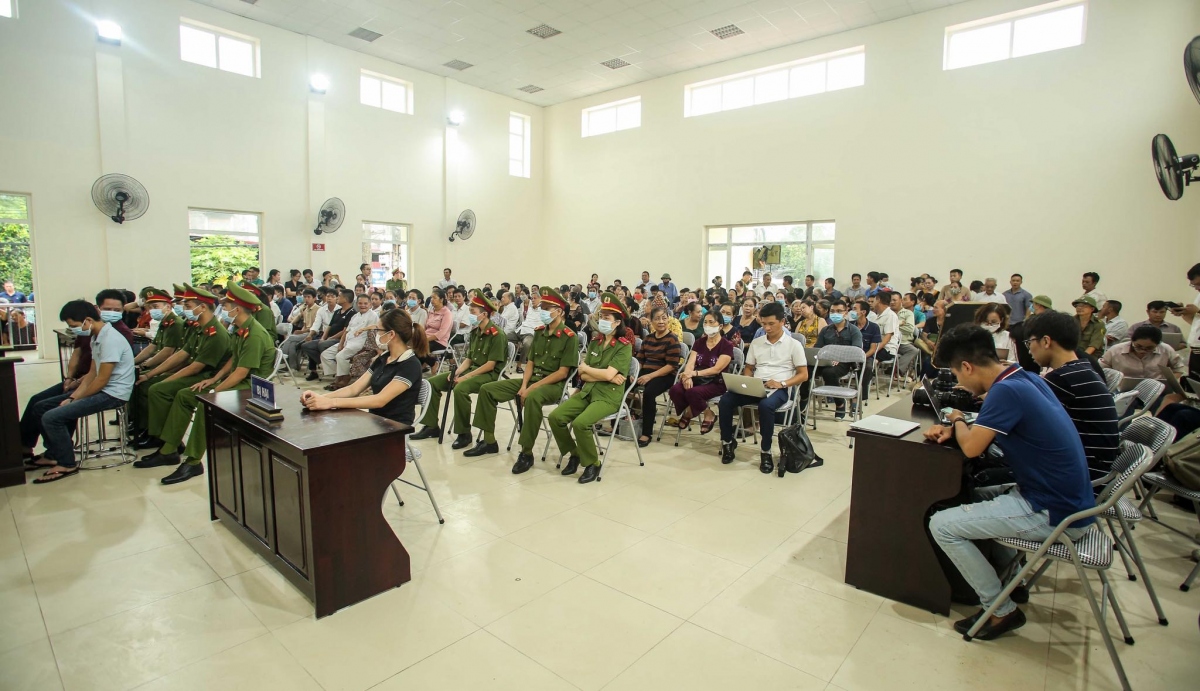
385,248
222,244
518,144
611,117
829,72
8,8
224,50
382,91
805,248
1034,30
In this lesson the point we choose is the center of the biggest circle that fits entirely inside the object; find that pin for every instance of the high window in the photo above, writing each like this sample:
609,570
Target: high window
611,117
382,91
829,72
16,266
1034,30
518,144
223,244
385,248
804,248
8,8
212,47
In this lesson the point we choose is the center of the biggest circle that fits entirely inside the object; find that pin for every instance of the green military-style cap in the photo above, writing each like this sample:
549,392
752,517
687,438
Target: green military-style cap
481,301
609,302
1044,301
242,297
178,292
553,297
1085,300
193,293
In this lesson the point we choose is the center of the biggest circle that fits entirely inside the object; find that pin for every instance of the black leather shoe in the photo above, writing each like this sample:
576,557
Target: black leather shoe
427,433
524,462
644,444
482,448
462,441
156,460
727,449
1019,595
765,464
590,473
312,376
572,465
147,443
1014,621
187,471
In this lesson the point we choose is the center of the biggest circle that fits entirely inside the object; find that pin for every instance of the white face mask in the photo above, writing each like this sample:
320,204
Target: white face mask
711,330
991,328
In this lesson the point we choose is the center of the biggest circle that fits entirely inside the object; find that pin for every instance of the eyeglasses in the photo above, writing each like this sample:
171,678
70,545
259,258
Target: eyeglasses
1142,349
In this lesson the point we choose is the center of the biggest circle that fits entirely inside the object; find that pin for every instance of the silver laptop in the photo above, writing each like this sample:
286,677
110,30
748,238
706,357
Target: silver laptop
1129,384
747,386
1175,340
887,426
1175,386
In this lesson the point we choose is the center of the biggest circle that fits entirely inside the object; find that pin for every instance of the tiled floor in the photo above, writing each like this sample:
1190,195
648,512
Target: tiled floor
683,574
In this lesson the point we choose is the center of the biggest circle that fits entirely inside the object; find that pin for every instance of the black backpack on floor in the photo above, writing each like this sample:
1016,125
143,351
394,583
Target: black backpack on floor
796,451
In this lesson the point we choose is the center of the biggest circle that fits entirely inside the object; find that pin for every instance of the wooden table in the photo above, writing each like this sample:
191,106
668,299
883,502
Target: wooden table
896,481
306,493
12,469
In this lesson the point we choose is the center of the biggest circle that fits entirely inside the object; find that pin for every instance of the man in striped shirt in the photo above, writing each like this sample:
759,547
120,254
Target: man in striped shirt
1051,339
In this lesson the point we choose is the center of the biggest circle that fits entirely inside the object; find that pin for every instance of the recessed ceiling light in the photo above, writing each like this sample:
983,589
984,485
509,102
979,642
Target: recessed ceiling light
457,65
543,31
365,34
727,31
615,64
530,89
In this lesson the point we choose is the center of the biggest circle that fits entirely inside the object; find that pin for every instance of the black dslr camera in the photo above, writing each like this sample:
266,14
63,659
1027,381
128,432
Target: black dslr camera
946,392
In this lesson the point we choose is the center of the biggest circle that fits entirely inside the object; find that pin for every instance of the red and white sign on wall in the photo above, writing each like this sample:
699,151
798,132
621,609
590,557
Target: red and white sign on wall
318,247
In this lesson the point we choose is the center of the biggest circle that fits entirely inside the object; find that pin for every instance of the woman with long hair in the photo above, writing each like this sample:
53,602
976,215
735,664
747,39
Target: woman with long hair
993,317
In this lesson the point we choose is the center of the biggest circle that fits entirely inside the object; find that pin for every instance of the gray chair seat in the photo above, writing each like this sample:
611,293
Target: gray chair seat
1095,548
835,391
1127,509
1169,483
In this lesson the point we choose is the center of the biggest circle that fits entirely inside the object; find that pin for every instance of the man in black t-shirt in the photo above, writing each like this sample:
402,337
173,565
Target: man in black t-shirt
1052,338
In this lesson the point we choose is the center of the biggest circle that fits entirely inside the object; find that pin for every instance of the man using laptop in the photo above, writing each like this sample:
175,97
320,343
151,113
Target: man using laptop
778,360
1023,417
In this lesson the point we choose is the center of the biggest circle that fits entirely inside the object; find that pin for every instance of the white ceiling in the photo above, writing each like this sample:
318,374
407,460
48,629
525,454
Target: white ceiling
657,37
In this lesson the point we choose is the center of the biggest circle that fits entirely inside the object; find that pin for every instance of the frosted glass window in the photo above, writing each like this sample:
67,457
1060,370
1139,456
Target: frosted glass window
629,115
519,127
236,56
382,91
602,121
6,8
395,97
611,117
213,47
1049,31
841,70
979,46
370,93
197,46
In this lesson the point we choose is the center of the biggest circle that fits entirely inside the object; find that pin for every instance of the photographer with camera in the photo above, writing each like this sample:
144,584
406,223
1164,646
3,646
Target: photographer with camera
1023,417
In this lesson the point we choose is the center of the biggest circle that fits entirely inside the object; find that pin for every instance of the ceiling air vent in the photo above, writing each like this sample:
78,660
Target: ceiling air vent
457,65
543,31
728,31
365,34
615,64
530,89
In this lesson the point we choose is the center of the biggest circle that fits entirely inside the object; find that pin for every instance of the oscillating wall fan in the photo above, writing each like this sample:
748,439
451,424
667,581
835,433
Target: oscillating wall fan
120,197
1176,172
329,218
465,227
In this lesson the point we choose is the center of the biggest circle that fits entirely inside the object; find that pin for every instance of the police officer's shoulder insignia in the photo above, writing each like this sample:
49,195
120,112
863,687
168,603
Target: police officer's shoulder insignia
243,332
492,331
567,331
210,331
624,340
598,337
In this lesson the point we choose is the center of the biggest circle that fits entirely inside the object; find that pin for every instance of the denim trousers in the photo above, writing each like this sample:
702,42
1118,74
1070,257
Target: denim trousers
30,429
731,402
1003,512
57,423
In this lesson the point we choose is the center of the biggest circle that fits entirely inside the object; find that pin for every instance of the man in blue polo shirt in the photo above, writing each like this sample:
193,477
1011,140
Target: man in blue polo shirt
1024,418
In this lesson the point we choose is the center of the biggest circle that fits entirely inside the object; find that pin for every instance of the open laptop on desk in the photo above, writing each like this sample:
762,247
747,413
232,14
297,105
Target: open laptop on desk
1175,340
1176,387
887,426
969,418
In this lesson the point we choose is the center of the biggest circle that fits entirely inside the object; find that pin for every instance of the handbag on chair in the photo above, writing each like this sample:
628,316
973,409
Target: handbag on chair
796,451
1183,461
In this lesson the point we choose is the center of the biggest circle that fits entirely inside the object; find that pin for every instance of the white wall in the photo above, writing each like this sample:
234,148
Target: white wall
1038,165
198,137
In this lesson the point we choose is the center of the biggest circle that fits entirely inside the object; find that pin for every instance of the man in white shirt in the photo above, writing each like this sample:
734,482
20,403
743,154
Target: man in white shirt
510,316
766,286
460,310
301,334
1188,314
1116,329
989,293
778,360
446,281
1089,281
354,336
889,326
907,327
592,301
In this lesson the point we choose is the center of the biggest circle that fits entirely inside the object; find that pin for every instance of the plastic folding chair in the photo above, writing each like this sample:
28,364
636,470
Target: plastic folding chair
735,367
623,413
413,455
566,393
842,354
1113,379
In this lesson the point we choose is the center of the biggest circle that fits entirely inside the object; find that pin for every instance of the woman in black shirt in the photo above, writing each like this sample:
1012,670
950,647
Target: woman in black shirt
394,377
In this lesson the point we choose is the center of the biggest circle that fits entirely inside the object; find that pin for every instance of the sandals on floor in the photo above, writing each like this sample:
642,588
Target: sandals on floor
35,465
55,475
685,423
707,425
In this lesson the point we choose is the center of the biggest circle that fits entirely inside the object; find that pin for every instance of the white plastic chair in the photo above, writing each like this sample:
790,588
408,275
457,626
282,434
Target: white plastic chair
413,455
1113,379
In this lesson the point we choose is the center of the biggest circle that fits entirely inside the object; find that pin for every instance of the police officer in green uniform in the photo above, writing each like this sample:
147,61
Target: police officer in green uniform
157,369
209,349
553,353
603,372
487,349
265,317
169,336
252,353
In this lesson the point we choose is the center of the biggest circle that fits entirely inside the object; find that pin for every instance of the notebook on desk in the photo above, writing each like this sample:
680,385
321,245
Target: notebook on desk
887,426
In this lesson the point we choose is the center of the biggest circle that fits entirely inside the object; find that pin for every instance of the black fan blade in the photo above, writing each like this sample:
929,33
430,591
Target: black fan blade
1166,167
1191,65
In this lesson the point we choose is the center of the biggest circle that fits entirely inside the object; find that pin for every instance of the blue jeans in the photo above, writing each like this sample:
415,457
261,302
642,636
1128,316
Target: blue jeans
58,422
1002,513
730,402
30,419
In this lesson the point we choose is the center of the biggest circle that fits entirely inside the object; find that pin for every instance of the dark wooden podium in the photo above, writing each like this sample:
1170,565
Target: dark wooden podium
896,480
12,470
306,493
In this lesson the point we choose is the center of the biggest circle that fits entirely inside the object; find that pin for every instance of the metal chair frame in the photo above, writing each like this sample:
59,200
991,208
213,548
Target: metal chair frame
413,455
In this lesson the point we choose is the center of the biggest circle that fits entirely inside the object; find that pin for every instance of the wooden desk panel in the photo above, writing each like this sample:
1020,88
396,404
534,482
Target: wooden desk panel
12,469
306,493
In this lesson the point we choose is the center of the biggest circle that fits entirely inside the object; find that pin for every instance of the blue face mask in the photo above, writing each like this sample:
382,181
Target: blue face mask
703,311
156,315
110,316
81,331
852,316
226,319
545,317
178,309
411,304
836,317
606,326
592,294
726,318
188,314
472,320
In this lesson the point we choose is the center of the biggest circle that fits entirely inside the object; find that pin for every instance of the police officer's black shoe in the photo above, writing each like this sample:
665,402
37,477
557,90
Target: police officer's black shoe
766,465
312,376
427,433
462,441
727,449
482,448
592,472
572,465
156,460
147,442
186,471
524,462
